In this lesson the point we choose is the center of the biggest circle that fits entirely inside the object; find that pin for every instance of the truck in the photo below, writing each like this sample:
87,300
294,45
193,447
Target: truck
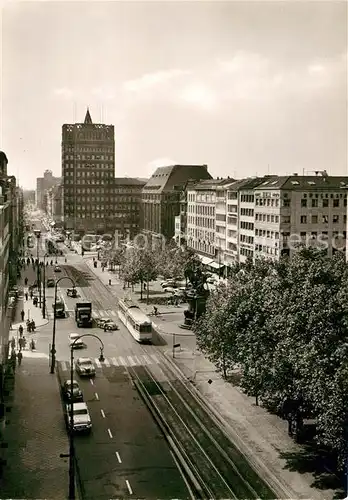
83,314
59,310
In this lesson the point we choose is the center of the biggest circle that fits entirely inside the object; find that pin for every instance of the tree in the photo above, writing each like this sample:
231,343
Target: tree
140,266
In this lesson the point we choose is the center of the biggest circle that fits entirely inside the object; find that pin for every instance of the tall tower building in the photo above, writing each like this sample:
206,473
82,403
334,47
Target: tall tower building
88,171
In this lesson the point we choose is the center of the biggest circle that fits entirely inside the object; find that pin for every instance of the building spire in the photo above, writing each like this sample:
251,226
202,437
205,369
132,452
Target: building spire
88,118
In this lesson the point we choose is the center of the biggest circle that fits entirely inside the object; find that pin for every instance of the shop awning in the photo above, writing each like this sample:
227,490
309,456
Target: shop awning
205,260
215,265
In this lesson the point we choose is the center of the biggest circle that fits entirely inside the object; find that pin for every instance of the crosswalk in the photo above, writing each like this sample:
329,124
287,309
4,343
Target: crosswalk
96,314
119,361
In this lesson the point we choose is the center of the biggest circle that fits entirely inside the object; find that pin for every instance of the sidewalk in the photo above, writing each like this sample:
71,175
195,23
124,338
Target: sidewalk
34,435
261,436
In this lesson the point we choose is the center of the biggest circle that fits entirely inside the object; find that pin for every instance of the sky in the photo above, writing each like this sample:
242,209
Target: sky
248,88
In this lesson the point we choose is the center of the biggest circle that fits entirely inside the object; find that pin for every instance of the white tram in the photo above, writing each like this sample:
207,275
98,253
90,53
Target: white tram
138,324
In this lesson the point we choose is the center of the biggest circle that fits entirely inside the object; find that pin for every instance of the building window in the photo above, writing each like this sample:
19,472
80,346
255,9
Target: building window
314,203
336,203
335,219
303,219
286,202
314,219
325,203
325,218
303,202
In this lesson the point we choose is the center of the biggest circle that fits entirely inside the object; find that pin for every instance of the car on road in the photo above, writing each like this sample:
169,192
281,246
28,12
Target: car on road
75,341
72,391
169,282
51,283
57,269
81,417
101,321
85,367
110,325
169,289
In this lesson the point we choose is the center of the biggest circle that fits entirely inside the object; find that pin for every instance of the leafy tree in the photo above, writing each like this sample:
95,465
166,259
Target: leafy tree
140,266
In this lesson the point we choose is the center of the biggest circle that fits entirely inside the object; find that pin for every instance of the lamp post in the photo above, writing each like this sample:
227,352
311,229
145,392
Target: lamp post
37,233
44,287
71,419
53,349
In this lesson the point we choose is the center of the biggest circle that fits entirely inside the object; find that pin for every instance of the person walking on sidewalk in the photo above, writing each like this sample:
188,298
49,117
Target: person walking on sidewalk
20,357
26,281
20,330
26,295
22,314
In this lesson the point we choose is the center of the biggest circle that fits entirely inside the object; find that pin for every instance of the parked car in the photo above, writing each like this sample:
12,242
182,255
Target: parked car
50,283
72,391
75,341
81,417
57,269
85,367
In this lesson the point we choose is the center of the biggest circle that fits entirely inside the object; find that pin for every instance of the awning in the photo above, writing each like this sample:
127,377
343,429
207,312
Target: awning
215,265
205,260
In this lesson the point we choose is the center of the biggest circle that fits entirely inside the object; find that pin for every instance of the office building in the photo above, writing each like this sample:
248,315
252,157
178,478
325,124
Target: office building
126,194
161,197
54,197
88,172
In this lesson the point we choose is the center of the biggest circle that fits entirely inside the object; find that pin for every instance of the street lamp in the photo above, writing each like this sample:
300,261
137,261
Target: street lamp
53,349
37,233
71,423
44,287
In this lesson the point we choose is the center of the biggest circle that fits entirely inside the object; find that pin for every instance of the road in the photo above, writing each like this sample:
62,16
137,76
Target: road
126,454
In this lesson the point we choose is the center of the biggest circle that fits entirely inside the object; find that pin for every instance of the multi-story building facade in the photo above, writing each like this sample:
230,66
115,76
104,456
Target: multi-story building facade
300,209
126,195
42,185
265,217
88,171
161,197
11,238
201,218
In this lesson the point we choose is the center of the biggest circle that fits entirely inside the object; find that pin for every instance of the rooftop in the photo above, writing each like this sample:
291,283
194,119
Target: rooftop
129,181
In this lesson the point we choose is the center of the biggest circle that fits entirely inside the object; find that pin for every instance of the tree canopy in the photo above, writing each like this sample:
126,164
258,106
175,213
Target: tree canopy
285,325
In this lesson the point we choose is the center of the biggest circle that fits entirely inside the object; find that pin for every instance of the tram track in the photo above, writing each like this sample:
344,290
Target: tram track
207,450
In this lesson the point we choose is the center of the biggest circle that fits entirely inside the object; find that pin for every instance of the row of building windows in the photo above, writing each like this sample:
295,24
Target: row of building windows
202,247
247,225
89,173
325,202
201,221
266,249
267,234
267,218
201,210
89,157
267,202
249,212
91,149
232,209
304,219
247,198
247,239
246,252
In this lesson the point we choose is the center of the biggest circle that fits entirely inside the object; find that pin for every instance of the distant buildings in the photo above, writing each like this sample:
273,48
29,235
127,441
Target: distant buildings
54,204
29,196
229,221
42,185
88,170
161,197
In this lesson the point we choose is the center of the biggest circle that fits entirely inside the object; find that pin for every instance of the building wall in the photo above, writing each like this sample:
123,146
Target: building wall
127,202
42,185
201,221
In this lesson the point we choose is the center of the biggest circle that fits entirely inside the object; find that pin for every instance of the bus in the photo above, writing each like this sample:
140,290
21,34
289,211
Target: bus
137,323
59,310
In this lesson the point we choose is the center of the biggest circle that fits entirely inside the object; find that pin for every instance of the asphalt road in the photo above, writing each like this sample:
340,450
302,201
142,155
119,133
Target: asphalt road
126,454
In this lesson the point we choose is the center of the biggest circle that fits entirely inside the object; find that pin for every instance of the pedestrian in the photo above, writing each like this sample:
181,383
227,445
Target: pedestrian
26,281
26,295
19,356
22,314
31,293
155,310
20,330
33,326
13,343
32,344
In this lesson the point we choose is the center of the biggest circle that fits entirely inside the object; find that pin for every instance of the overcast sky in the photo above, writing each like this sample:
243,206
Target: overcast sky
248,88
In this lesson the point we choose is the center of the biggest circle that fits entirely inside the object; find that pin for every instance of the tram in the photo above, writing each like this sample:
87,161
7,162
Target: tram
138,324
